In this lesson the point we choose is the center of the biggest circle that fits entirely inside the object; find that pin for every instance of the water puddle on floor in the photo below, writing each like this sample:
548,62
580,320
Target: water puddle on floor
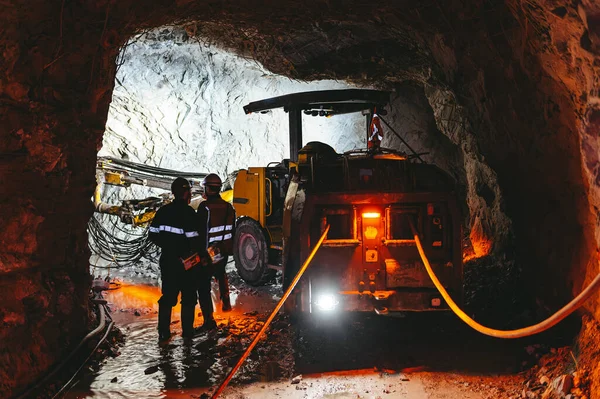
147,369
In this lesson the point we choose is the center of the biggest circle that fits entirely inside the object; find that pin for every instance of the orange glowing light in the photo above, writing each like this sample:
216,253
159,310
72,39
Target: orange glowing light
145,297
482,245
371,215
371,233
130,296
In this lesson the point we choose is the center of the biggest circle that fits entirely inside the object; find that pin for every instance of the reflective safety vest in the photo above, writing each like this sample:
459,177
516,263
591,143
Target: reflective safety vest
174,230
220,223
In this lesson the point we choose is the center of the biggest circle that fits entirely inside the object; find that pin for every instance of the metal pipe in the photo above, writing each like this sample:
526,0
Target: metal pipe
272,316
295,124
102,207
98,192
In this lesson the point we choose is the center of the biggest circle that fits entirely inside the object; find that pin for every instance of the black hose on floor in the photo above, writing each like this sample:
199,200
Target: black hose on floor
91,334
68,383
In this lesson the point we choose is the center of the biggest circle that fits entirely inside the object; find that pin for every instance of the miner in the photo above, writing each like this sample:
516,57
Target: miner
217,217
175,231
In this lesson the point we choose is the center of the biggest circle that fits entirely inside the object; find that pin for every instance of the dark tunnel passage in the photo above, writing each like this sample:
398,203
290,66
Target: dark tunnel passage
506,92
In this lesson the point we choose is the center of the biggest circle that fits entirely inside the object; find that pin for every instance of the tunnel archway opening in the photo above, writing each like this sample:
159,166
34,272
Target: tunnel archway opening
525,97
178,101
155,119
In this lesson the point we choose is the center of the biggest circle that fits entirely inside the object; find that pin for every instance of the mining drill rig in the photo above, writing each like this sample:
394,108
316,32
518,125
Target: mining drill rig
119,246
122,173
373,199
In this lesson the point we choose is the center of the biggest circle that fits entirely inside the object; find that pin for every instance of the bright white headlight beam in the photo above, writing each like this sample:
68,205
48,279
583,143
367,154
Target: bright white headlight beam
326,302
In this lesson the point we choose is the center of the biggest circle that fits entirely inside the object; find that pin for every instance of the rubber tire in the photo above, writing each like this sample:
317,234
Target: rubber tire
250,239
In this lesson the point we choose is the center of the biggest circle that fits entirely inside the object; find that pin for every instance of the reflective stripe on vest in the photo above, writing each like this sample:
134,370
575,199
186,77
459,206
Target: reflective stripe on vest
174,230
217,229
220,238
220,225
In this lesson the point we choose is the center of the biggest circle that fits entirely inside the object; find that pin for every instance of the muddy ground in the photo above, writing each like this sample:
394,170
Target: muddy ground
354,356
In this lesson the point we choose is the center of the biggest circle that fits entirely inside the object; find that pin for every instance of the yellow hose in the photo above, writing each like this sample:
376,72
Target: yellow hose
272,316
508,334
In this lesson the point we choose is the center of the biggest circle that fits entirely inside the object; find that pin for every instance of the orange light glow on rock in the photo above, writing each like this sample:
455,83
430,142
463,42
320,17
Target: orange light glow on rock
480,241
482,245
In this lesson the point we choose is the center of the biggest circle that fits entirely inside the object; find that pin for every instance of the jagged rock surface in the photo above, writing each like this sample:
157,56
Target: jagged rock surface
524,74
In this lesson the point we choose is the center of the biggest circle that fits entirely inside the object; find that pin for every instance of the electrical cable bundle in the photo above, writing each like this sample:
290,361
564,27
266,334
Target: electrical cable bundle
149,171
128,247
120,251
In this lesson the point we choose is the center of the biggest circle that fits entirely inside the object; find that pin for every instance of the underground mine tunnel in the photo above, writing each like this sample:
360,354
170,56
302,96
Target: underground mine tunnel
501,95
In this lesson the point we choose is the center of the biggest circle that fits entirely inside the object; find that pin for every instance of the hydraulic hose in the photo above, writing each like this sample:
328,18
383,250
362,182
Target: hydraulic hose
91,334
68,383
272,316
506,334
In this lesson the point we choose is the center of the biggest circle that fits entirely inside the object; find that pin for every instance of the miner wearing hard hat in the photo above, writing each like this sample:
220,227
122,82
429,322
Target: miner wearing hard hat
175,231
219,218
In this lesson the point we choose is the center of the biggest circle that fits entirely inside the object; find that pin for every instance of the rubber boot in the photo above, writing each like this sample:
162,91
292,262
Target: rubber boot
224,290
187,321
164,322
207,313
226,306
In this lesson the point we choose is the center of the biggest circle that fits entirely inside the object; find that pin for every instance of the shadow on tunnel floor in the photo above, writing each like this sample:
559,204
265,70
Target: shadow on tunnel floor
425,341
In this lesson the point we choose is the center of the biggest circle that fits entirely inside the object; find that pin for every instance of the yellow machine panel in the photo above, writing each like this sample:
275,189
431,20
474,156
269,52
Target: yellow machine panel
249,194
227,196
144,218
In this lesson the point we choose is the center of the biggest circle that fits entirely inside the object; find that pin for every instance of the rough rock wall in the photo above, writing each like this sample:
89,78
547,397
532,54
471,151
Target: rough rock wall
523,82
525,73
51,120
584,82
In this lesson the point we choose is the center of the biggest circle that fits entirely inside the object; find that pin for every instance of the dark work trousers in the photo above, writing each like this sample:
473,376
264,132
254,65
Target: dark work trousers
203,278
175,279
221,277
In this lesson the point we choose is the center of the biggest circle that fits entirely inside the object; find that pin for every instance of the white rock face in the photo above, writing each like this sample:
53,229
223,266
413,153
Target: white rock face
178,104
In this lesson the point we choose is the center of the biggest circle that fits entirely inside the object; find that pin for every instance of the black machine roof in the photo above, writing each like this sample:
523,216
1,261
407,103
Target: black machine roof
331,102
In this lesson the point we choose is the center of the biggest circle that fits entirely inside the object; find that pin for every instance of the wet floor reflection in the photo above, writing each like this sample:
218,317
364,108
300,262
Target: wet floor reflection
417,342
147,369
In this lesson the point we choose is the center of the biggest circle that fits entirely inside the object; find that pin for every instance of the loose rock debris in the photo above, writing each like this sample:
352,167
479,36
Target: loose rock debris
555,376
267,362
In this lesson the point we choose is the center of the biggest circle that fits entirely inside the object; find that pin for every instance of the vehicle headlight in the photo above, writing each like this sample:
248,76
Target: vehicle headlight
326,302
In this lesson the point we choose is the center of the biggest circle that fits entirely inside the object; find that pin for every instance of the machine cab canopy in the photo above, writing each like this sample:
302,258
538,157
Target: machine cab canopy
320,103
324,103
